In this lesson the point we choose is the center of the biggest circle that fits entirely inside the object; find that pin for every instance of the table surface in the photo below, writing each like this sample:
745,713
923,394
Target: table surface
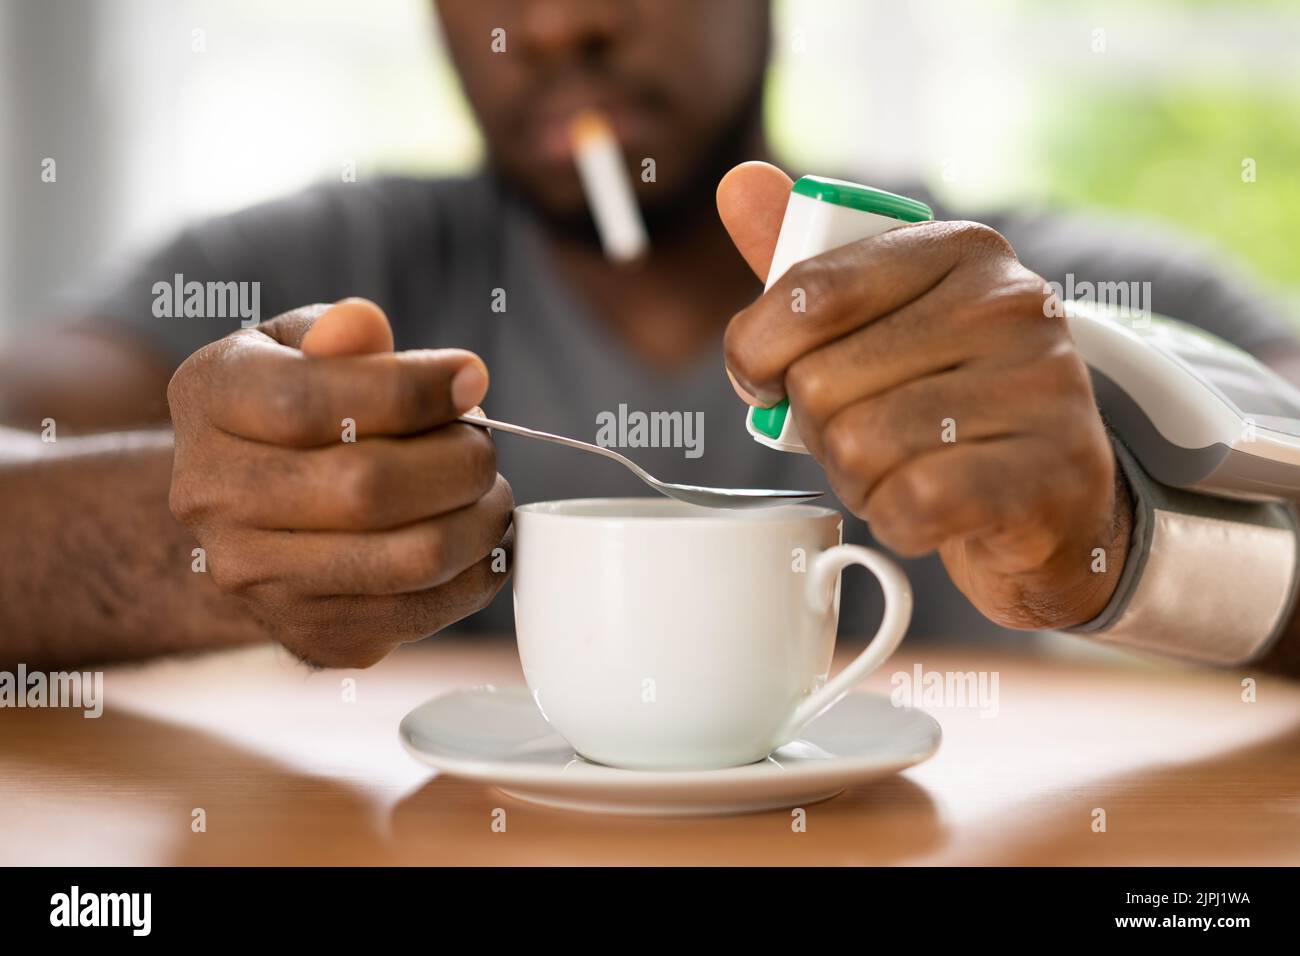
288,771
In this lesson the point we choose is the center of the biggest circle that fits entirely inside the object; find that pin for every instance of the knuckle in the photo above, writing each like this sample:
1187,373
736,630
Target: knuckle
810,387
976,237
192,497
853,494
895,532
233,574
1058,372
467,593
481,462
1066,365
846,448
223,574
191,377
432,559
487,582
361,490
1019,300
1010,305
908,535
502,487
919,495
178,387
743,352
821,282
878,512
181,501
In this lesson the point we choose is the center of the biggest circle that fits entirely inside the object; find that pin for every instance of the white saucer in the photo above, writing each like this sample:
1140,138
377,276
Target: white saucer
498,736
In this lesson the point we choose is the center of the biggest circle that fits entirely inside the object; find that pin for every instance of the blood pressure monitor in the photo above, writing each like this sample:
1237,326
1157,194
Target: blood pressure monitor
1196,412
1195,423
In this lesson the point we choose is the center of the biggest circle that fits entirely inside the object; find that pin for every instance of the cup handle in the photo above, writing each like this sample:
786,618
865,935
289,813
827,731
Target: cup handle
818,592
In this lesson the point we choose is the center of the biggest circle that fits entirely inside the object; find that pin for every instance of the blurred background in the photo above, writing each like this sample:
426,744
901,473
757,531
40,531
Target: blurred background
160,111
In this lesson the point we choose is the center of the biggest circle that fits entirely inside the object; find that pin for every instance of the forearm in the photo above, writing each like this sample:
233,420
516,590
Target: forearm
87,378
96,569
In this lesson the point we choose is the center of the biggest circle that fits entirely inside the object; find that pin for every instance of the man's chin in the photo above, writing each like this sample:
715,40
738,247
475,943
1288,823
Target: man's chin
562,209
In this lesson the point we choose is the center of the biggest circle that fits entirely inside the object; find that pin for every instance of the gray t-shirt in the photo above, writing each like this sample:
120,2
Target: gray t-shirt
432,253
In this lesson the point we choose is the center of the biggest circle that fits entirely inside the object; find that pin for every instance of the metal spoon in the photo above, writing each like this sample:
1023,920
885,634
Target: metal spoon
691,494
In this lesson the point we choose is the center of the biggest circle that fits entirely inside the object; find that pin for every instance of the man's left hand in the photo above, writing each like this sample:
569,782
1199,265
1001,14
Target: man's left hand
932,376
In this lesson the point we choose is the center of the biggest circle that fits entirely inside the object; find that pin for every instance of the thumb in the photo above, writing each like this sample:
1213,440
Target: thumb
349,327
751,201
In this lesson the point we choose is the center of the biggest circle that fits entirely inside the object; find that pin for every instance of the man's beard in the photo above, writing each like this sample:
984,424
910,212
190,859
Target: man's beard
674,213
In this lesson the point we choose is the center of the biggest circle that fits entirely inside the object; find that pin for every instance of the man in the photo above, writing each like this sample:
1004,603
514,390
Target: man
342,549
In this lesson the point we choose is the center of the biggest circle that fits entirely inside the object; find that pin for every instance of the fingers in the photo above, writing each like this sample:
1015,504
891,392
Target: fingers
414,557
751,203
289,328
863,442
358,631
933,334
828,296
253,387
350,327
963,491
368,485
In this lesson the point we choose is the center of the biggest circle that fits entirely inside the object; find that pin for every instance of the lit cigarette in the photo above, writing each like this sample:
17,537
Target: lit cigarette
608,188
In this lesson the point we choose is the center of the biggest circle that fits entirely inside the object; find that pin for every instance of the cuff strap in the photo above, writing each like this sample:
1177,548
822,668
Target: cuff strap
1205,578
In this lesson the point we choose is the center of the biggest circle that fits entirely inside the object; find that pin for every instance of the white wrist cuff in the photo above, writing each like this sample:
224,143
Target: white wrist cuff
1205,578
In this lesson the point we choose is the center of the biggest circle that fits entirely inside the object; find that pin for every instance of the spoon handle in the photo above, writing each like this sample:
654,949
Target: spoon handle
494,425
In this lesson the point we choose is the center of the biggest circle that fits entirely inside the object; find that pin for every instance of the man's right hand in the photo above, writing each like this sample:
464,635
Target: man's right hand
342,548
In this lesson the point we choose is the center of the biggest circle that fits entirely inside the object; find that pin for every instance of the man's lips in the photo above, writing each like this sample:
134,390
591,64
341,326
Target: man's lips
551,129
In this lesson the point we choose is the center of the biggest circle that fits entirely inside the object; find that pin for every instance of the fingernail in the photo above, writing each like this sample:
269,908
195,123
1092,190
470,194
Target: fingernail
468,386
747,398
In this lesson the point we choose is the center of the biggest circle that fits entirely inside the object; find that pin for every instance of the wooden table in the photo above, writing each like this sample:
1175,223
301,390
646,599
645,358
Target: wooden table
289,772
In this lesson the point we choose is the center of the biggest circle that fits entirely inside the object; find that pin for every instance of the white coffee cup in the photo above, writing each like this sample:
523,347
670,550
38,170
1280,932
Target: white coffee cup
657,635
